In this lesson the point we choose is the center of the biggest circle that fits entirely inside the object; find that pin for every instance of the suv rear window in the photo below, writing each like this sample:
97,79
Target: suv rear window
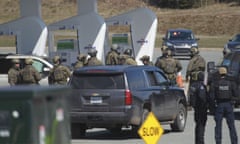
97,81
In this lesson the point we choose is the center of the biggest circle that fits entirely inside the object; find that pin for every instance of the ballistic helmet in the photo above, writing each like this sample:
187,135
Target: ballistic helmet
56,59
15,61
128,52
145,57
92,52
222,70
194,51
114,46
28,61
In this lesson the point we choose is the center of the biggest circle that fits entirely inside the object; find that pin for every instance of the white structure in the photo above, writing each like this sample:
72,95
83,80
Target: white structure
29,29
143,24
90,28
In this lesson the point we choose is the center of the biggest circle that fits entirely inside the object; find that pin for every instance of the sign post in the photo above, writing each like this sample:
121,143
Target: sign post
151,130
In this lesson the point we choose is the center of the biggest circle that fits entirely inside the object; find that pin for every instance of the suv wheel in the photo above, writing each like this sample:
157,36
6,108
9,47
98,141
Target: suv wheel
180,121
78,130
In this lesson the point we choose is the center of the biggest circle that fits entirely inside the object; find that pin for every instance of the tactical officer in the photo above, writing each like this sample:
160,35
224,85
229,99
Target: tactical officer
14,73
59,74
221,93
146,60
112,55
29,74
81,61
199,101
126,58
196,64
170,66
93,61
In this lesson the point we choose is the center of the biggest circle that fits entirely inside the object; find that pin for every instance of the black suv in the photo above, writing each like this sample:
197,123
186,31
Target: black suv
115,96
180,41
232,62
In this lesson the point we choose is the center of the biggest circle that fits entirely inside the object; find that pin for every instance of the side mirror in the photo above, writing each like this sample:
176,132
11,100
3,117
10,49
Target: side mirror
210,66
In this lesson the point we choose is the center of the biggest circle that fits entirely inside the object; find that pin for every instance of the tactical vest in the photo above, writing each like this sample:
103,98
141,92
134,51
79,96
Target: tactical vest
170,66
223,89
27,75
58,74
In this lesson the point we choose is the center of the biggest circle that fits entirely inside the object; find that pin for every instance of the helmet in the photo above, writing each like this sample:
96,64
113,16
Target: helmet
15,61
194,51
56,59
128,52
92,52
169,53
81,56
222,70
114,46
145,57
28,61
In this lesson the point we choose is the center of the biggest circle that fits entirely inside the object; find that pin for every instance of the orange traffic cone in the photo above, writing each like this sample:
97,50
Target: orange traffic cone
179,80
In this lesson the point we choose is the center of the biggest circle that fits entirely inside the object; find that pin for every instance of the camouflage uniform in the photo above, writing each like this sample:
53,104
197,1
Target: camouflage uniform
59,74
112,56
93,61
81,61
126,58
14,73
29,75
170,66
196,65
146,60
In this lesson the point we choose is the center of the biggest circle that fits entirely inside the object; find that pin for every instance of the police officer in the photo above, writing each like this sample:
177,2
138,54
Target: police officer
170,66
60,74
199,102
221,93
146,60
196,64
81,61
14,73
126,58
93,61
29,74
112,55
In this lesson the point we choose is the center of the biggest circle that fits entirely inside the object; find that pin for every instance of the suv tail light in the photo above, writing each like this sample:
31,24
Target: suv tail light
128,97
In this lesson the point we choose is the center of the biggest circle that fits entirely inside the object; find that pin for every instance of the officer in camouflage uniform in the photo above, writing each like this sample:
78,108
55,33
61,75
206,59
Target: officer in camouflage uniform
199,101
126,58
14,73
146,60
222,92
196,64
93,61
29,75
81,61
170,66
112,55
60,74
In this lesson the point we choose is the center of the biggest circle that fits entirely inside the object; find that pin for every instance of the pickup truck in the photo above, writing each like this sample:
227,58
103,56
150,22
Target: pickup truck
113,97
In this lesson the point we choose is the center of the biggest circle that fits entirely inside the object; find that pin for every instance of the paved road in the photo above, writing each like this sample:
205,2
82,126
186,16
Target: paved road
102,136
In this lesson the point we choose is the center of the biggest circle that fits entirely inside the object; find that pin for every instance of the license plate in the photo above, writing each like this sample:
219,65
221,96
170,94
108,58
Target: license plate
96,100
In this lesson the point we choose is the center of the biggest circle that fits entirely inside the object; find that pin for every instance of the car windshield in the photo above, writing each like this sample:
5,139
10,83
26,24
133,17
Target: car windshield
97,81
179,35
236,38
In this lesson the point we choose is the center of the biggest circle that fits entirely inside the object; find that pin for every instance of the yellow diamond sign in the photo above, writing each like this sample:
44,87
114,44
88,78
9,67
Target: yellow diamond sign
151,130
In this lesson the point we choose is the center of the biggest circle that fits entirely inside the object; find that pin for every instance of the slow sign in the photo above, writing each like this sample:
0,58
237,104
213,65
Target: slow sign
151,130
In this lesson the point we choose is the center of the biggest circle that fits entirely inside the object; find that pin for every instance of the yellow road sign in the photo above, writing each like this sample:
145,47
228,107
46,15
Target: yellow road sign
151,130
